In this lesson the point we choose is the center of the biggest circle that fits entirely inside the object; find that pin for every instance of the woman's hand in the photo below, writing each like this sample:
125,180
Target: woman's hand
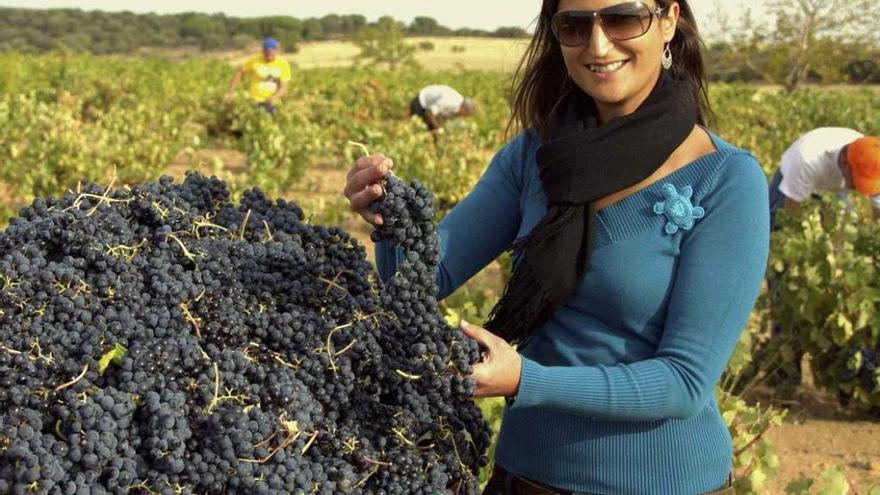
362,185
497,375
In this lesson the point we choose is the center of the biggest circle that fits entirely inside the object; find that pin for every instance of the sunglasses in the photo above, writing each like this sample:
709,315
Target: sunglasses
620,22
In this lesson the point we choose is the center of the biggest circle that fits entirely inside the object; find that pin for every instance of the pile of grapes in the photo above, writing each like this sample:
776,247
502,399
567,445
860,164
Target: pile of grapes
161,339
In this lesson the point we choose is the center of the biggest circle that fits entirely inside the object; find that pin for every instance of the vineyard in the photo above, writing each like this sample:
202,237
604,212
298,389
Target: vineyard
69,120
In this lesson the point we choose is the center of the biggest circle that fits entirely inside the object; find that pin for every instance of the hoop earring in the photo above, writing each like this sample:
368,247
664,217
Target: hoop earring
666,60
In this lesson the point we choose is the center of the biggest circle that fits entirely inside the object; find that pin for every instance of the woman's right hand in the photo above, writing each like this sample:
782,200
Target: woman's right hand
363,185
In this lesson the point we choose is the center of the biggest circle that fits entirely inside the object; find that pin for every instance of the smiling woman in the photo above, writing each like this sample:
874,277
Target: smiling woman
640,240
551,69
617,64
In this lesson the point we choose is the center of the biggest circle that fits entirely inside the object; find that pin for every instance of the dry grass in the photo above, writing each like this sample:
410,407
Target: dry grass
448,53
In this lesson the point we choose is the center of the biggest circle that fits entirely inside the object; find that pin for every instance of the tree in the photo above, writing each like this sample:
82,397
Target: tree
864,70
287,30
511,32
354,22
208,31
312,29
805,22
384,43
427,26
332,25
796,44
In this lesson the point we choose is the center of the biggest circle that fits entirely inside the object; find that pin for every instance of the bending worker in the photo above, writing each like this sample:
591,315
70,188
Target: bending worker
438,103
828,159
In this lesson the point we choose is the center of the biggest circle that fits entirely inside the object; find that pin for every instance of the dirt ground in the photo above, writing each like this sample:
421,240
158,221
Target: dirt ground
817,434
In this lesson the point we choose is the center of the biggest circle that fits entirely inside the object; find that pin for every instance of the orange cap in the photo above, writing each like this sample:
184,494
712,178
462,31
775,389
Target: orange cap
863,156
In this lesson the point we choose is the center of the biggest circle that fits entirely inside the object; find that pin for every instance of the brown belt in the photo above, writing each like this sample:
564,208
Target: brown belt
504,483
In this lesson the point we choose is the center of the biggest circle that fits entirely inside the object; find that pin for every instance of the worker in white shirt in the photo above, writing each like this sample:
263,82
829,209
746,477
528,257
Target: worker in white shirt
438,103
828,159
824,160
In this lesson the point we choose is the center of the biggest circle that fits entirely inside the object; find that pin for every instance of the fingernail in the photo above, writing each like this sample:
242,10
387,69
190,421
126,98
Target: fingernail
463,322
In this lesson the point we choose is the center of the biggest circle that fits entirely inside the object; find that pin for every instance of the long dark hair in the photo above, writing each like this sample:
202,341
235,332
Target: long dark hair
542,78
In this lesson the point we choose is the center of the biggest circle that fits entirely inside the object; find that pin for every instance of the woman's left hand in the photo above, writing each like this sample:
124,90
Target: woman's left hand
497,375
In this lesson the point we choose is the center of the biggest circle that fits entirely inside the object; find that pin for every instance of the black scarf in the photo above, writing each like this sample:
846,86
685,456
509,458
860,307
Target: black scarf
580,163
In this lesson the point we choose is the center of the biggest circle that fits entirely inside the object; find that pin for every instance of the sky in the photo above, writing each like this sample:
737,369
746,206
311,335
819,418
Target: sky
482,14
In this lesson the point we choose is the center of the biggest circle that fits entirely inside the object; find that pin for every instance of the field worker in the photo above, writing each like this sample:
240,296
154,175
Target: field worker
438,103
268,77
824,160
640,242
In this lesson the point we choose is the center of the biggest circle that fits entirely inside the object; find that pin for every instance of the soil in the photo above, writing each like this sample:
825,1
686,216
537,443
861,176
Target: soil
5,192
818,433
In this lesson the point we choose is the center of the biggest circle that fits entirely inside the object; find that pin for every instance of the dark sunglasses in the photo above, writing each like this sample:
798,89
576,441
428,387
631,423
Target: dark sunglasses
620,22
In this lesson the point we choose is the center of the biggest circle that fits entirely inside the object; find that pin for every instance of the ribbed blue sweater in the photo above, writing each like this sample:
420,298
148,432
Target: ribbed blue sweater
617,390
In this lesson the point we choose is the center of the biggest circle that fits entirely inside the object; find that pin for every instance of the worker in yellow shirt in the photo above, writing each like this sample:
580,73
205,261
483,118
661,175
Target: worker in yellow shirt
268,77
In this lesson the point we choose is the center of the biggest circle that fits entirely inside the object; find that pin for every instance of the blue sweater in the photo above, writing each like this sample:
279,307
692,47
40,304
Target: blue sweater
617,389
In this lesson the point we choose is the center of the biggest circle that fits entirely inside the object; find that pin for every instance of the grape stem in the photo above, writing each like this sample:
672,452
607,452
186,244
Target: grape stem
284,363
331,351
186,252
408,376
141,486
367,477
400,434
102,198
377,463
451,435
243,226
217,397
309,442
206,225
127,252
268,231
264,442
10,351
187,314
333,284
293,432
363,147
58,431
73,382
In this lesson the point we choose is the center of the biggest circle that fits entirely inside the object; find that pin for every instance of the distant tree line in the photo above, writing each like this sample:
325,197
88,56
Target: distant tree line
31,30
813,41
800,41
832,62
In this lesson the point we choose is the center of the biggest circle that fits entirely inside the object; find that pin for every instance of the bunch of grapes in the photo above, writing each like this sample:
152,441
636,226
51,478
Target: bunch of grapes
161,339
862,366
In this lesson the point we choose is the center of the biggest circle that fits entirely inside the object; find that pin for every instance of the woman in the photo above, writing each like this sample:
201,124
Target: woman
640,242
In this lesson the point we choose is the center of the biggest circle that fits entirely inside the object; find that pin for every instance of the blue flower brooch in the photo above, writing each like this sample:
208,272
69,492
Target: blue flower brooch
677,207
